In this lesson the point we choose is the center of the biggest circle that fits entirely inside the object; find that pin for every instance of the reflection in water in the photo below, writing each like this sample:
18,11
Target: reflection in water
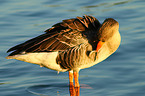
74,91
58,89
54,90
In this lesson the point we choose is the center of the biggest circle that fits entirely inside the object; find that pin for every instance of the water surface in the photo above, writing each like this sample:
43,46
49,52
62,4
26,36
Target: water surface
122,74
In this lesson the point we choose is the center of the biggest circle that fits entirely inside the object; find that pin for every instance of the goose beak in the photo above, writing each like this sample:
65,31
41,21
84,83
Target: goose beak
99,45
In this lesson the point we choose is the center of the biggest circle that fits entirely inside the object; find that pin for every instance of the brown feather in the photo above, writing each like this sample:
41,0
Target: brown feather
61,36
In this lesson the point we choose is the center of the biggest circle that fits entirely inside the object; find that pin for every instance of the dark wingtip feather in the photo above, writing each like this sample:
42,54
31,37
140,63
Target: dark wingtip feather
9,50
13,48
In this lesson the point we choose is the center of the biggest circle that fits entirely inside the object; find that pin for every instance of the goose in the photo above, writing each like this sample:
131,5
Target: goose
71,45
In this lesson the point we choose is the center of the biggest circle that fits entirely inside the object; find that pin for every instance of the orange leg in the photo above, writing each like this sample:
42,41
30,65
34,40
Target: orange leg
77,86
71,86
76,78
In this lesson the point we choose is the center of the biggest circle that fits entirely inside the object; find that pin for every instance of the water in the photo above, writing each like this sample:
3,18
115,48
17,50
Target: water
122,74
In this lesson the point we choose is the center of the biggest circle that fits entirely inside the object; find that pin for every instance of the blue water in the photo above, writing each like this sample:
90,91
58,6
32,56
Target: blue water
122,74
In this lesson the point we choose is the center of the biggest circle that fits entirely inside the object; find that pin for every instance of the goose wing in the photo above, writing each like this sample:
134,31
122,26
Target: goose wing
61,36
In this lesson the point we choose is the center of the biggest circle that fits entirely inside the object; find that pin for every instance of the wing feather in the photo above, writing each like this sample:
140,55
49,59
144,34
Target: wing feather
61,36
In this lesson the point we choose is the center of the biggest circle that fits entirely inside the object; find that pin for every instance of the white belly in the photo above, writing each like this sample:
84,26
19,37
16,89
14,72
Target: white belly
44,59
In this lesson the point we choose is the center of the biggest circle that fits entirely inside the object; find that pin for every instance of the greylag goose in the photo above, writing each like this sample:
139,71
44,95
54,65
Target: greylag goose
71,45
